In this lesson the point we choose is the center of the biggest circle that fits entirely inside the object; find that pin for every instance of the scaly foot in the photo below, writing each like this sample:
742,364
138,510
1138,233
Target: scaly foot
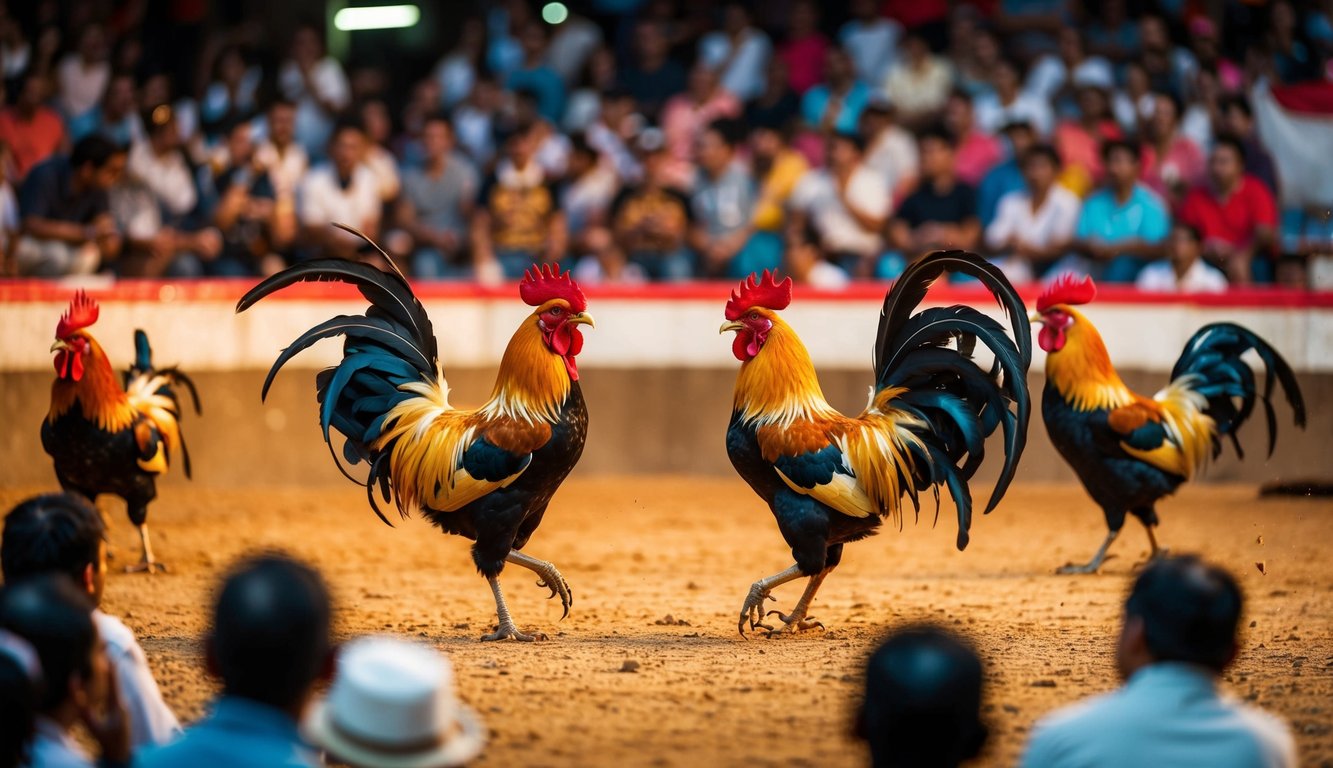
1089,567
794,622
507,631
552,580
753,609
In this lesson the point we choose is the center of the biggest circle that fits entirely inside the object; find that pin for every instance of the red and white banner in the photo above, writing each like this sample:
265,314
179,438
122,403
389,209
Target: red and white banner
1295,123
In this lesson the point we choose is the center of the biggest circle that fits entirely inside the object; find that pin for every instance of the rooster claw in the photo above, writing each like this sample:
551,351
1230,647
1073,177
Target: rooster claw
752,610
793,622
507,631
552,580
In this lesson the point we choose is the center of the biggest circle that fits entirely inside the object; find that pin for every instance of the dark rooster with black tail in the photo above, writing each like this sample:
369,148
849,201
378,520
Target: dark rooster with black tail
109,434
1132,451
831,479
485,474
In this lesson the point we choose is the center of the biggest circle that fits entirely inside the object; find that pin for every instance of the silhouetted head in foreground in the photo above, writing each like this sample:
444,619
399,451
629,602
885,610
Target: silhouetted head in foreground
270,637
922,701
54,617
55,533
1181,609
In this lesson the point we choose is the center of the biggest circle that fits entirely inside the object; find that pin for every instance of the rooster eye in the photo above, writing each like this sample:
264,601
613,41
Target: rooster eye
557,311
754,316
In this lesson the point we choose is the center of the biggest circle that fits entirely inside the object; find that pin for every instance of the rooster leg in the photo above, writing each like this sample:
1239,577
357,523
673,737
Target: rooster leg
505,629
550,577
753,609
1096,562
797,621
1157,551
147,564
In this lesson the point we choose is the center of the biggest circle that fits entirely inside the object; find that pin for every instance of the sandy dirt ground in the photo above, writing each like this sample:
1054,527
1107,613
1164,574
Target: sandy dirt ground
659,568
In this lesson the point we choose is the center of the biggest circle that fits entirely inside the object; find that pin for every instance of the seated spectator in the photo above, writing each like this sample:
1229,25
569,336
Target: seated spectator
585,103
941,213
83,73
777,168
517,221
314,82
919,84
116,117
974,51
1079,139
1238,120
1133,103
1112,34
32,130
871,40
66,226
269,645
158,162
685,116
256,228
1008,102
231,96
1172,163
20,682
1183,270
922,703
778,104
476,120
1055,77
1031,25
1007,176
651,220
1033,228
1235,214
847,204
723,199
1123,225
9,216
341,191
890,149
738,52
610,132
377,127
535,76
278,154
975,151
805,48
836,104
393,703
1306,242
436,205
1179,634
552,152
807,263
153,249
573,43
586,194
62,534
652,76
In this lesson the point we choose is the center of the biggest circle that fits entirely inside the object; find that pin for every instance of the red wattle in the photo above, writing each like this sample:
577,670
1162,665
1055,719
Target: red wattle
1051,338
740,345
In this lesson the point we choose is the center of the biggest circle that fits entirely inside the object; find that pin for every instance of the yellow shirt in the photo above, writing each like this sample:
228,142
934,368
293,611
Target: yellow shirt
788,168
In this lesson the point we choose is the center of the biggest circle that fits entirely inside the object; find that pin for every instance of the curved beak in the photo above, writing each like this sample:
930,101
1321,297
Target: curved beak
731,325
1037,317
582,318
60,344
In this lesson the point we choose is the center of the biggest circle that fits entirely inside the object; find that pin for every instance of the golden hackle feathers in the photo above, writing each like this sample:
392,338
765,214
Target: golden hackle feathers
779,385
1082,372
98,393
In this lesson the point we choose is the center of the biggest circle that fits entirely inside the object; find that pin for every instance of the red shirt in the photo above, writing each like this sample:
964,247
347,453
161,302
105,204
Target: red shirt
32,141
805,62
1233,220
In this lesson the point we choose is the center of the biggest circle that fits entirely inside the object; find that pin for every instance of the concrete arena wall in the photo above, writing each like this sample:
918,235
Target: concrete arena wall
657,377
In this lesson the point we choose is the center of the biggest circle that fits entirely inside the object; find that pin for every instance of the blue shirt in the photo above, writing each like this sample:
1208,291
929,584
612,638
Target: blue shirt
1142,217
816,101
1169,715
1004,178
546,85
237,732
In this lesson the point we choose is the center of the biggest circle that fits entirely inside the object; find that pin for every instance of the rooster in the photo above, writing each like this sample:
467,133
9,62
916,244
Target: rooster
1131,451
109,434
830,479
484,474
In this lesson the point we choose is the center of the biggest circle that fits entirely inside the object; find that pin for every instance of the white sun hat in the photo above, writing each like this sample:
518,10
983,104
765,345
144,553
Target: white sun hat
392,705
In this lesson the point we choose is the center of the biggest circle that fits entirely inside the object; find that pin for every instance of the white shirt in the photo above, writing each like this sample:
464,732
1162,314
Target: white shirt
991,115
893,156
324,201
381,162
1168,715
913,91
817,194
1053,222
873,47
744,77
455,76
1050,74
81,87
313,124
1160,276
166,175
53,747
151,721
286,168
571,45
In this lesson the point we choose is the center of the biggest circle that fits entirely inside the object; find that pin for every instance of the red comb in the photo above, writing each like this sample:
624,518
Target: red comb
82,313
765,292
541,284
1067,289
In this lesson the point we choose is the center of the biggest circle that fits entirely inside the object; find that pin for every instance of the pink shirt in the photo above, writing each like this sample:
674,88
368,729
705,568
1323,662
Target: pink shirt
31,142
683,120
977,153
1182,167
805,62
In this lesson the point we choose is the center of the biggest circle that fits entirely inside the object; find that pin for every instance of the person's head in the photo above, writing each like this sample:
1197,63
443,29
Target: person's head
877,117
845,149
803,250
20,683
1071,45
520,144
1237,116
803,19
717,145
650,42
437,137
1165,115
838,71
650,147
702,83
1021,135
1006,79
307,45
240,142
1123,162
119,98
56,618
229,68
282,122
1137,80
526,106
533,40
93,45
735,18
33,90
159,123
935,146
1093,102
155,88
922,700
55,533
1153,33
767,140
97,162
1226,163
269,640
1183,246
985,48
347,147
864,10
1041,166
375,121
915,50
582,157
1181,609
958,115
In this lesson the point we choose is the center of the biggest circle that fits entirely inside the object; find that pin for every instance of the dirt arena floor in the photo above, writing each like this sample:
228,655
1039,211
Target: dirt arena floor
649,670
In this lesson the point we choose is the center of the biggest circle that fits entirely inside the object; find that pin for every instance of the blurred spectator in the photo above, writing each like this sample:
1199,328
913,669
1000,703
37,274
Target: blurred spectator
152,248
1123,225
835,106
62,534
1172,162
116,118
724,198
1160,57
975,151
278,154
67,227
805,48
341,191
16,52
1133,104
1007,176
1033,228
158,162
738,52
685,116
1178,635
1293,59
807,263
1205,54
941,213
517,221
536,76
975,55
1079,140
847,203
315,83
653,76
257,228
55,618
1055,77
457,71
586,193
890,149
573,41
378,129
269,645
651,221
422,103
585,103
1008,102
158,89
436,205
552,146
1238,120
1111,33
392,703
778,104
9,216
476,120
616,123
778,169
31,129
922,705
1183,270
871,40
927,19
20,681
1307,246
1235,214
232,93
919,83
83,73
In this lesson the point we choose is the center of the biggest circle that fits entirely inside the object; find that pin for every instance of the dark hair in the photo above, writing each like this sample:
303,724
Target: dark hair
1043,151
1110,146
1176,102
851,137
922,700
345,124
18,711
52,614
439,117
52,533
95,150
1229,140
280,101
937,132
578,145
270,636
730,130
1194,233
1190,611
1236,101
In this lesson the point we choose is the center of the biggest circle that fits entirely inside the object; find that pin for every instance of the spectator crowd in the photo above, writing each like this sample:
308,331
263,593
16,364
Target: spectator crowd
650,140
